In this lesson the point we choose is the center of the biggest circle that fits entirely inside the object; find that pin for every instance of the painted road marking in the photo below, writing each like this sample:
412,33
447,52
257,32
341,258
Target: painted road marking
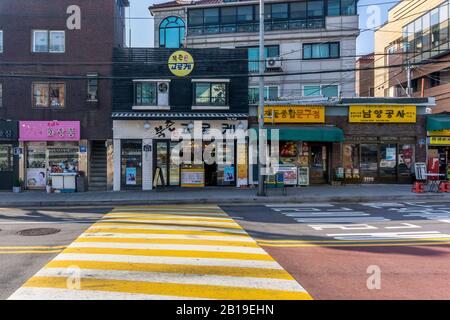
30,249
164,252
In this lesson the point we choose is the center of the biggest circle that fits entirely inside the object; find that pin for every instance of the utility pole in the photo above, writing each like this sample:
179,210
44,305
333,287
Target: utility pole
262,137
409,89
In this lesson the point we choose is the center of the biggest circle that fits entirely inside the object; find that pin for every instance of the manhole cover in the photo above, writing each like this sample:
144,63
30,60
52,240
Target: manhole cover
38,232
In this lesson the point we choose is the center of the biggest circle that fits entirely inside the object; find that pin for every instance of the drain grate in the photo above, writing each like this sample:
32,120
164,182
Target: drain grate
38,232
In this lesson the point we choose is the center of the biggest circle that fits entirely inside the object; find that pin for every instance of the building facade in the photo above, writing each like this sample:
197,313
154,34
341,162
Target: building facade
163,97
356,140
300,37
365,76
55,61
416,33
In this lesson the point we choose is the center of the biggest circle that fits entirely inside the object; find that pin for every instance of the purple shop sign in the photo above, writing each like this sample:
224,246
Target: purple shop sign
49,131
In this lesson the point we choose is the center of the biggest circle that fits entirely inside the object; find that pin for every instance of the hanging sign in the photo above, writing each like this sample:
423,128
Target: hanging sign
181,63
294,114
380,114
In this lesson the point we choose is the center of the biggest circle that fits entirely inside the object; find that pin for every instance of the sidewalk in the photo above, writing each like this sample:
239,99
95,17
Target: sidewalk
228,196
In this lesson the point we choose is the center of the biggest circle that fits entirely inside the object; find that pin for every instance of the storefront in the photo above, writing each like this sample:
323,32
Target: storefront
9,154
306,143
154,154
51,153
438,145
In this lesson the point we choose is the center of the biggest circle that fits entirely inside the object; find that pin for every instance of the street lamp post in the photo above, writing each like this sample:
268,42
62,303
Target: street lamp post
262,67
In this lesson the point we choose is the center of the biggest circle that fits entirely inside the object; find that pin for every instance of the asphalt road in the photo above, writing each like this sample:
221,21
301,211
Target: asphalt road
22,256
357,251
335,251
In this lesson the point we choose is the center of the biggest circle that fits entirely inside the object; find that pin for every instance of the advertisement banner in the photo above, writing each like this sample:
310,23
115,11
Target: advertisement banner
294,114
382,114
290,174
49,131
193,178
131,174
228,174
36,178
439,141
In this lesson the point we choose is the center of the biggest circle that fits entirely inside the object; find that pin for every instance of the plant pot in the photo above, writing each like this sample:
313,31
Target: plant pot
17,189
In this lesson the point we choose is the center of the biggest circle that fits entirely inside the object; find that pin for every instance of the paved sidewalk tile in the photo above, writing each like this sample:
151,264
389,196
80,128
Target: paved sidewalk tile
163,252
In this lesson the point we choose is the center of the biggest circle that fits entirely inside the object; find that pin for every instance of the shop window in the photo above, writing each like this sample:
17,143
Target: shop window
6,158
1,41
171,32
210,94
406,157
45,41
145,93
92,88
131,163
330,50
351,161
388,160
63,158
369,160
48,95
36,176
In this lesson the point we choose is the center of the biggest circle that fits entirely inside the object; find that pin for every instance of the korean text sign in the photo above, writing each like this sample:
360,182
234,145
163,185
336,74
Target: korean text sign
49,131
382,114
181,63
294,114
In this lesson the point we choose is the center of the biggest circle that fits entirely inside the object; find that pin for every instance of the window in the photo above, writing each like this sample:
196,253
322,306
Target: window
92,87
6,158
210,94
253,56
329,50
271,93
45,41
245,14
196,17
315,9
145,93
435,28
1,95
279,11
327,91
1,41
48,95
171,33
348,7
298,10
334,8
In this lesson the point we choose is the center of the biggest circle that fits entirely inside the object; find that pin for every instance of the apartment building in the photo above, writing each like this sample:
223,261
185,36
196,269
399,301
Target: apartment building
417,32
55,61
300,37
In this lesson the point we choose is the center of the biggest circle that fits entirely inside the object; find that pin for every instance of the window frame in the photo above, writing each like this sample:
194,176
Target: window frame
329,44
49,41
49,85
140,82
321,86
89,78
162,31
210,104
266,90
1,41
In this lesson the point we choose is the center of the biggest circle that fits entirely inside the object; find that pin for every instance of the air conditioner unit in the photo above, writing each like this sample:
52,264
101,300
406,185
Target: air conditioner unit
273,63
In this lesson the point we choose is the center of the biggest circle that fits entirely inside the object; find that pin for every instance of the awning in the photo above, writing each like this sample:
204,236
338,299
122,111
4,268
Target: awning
309,134
438,122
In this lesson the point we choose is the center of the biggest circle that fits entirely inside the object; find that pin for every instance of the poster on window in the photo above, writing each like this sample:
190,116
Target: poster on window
193,178
228,174
303,176
290,175
131,174
390,154
36,178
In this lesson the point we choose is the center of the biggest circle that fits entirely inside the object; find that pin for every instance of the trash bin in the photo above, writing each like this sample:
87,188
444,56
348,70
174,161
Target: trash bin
81,182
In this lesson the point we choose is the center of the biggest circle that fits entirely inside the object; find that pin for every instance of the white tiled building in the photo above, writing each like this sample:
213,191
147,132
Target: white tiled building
301,37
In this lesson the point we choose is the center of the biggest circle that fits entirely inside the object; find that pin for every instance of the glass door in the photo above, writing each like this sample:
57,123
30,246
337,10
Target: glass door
369,160
132,164
319,164
6,166
167,163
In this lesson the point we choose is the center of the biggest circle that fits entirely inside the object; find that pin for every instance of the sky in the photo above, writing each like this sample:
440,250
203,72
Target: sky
142,31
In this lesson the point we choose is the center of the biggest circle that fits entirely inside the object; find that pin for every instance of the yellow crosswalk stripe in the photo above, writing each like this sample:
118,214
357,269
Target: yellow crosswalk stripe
169,251
181,269
170,289
171,241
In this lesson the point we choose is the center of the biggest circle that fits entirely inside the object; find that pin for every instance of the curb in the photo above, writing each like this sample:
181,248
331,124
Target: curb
224,201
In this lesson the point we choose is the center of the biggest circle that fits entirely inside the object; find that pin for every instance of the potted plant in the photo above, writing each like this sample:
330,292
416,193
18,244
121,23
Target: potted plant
17,186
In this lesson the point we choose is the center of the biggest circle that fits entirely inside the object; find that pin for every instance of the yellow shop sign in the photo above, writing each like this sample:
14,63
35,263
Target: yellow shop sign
181,63
382,114
439,141
441,133
294,114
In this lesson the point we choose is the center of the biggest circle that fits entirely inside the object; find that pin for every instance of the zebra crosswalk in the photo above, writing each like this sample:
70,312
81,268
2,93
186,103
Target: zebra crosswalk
163,252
